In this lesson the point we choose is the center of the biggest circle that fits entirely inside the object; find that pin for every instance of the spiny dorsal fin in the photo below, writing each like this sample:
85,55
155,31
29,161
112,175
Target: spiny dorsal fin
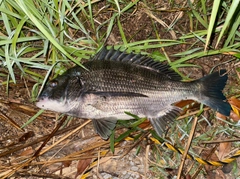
136,59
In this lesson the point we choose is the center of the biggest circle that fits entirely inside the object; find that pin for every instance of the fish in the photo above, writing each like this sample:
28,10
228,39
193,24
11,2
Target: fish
117,83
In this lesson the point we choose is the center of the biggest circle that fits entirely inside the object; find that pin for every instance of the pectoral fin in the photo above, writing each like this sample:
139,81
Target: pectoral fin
168,115
104,127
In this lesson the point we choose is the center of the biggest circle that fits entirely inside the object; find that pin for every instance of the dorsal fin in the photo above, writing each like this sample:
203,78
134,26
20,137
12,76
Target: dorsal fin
137,59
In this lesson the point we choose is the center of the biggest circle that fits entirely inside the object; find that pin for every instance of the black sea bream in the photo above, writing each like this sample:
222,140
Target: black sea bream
117,82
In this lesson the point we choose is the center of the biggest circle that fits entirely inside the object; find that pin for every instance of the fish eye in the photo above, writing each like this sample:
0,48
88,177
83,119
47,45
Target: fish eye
80,82
53,83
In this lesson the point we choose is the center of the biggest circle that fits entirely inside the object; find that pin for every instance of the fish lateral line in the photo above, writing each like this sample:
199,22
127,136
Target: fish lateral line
116,94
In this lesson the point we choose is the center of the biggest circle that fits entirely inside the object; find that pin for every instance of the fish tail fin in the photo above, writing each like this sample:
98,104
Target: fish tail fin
211,92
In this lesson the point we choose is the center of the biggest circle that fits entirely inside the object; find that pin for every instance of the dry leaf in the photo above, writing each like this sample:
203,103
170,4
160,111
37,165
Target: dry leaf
224,150
211,156
234,116
184,103
66,163
234,101
144,125
221,116
82,165
27,151
235,104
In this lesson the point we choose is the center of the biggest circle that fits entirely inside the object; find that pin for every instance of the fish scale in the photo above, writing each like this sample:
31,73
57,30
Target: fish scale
112,80
117,82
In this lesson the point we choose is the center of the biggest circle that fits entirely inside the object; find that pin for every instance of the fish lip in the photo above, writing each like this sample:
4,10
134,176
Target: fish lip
40,100
53,105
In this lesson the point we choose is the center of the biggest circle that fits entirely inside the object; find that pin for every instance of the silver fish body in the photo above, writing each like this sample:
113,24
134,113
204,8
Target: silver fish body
117,82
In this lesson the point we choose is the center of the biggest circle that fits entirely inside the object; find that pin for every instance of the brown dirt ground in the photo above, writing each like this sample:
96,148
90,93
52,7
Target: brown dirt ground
16,108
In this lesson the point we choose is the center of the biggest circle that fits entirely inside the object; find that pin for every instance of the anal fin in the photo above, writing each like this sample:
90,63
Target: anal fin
104,127
162,122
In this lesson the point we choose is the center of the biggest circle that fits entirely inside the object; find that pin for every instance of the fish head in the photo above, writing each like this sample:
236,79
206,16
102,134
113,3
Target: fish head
58,94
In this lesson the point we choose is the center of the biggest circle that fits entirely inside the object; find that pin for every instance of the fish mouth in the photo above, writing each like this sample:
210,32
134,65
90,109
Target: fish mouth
52,105
41,102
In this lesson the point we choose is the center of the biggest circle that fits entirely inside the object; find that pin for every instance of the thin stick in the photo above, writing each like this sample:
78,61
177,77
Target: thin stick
220,141
187,147
146,166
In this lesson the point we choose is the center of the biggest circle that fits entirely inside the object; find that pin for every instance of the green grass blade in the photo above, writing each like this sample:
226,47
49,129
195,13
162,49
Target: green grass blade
122,32
229,18
112,141
130,5
17,32
216,6
233,31
41,27
197,15
204,8
20,39
33,118
6,21
6,11
90,13
195,55
118,7
187,52
110,25
9,63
